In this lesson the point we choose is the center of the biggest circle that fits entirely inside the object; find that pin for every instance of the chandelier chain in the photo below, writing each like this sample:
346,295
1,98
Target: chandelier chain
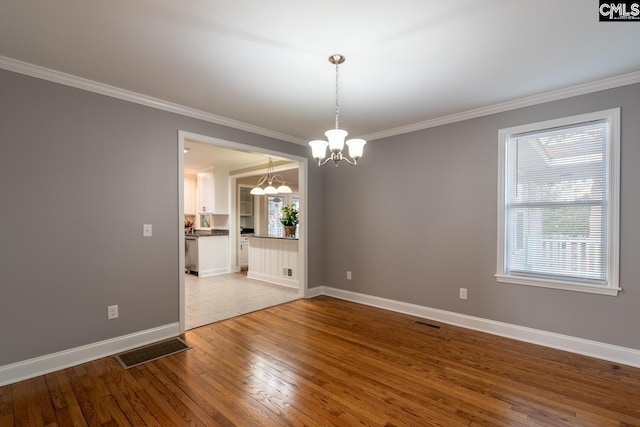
337,105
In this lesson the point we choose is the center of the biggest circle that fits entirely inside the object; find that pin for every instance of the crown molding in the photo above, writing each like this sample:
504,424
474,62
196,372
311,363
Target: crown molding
37,71
43,73
581,89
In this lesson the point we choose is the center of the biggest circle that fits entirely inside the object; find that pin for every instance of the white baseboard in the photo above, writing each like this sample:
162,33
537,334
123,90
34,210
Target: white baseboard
315,292
213,272
277,280
612,353
53,362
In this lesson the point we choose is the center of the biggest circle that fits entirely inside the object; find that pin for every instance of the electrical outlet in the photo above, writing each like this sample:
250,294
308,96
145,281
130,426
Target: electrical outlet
112,312
348,275
463,293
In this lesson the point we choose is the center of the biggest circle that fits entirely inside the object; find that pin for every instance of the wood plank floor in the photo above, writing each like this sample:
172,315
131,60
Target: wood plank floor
330,362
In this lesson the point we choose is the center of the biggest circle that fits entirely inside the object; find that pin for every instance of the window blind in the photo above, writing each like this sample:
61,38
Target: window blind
556,203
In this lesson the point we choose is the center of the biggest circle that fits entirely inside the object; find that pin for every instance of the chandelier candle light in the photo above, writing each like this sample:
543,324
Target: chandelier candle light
270,178
336,136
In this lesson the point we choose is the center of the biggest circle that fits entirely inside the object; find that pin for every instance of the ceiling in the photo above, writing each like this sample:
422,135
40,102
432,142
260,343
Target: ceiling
264,63
201,156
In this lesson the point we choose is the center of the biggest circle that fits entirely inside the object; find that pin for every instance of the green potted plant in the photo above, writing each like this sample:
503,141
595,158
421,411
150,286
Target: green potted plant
289,218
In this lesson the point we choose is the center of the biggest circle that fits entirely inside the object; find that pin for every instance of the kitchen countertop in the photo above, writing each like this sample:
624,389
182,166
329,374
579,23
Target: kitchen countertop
207,233
262,236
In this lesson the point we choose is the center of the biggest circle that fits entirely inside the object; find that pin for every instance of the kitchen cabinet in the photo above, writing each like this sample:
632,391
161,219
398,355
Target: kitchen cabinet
246,201
190,194
213,192
206,191
243,252
207,255
221,194
213,255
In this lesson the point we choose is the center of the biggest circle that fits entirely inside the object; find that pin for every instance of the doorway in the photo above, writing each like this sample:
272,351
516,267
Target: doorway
233,223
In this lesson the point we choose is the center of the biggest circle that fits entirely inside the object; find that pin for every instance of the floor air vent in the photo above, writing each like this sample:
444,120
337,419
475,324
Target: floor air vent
418,322
141,355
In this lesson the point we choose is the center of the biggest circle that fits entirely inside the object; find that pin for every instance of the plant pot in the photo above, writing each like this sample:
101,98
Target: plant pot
290,230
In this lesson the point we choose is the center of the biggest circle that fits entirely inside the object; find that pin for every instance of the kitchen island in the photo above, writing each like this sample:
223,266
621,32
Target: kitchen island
207,252
274,260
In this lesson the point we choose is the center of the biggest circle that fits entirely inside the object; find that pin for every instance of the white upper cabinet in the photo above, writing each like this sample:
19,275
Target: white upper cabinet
221,179
213,192
189,194
206,191
246,201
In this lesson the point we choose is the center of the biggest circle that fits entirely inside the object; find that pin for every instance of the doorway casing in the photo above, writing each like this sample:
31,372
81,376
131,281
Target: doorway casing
302,164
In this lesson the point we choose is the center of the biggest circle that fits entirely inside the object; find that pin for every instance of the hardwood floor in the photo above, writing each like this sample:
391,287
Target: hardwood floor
330,362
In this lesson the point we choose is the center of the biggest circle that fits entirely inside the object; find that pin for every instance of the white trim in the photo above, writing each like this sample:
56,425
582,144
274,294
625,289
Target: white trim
303,166
32,70
303,227
555,284
581,89
181,239
612,116
54,362
502,168
212,271
316,292
276,280
609,352
613,186
43,73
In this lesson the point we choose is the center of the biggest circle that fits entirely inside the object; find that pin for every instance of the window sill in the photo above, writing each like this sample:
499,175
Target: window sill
565,286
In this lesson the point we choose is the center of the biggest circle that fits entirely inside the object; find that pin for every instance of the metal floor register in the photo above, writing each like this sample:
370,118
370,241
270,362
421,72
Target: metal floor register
155,351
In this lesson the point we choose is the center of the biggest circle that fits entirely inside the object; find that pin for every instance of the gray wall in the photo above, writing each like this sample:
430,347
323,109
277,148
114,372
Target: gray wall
417,221
79,175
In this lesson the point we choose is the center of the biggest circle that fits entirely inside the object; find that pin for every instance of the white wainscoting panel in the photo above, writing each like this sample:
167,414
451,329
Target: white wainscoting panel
271,260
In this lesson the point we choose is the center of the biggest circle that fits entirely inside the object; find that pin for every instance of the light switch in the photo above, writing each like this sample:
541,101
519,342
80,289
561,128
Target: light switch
146,230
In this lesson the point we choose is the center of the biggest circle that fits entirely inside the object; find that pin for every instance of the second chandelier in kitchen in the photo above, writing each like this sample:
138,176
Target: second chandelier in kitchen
270,179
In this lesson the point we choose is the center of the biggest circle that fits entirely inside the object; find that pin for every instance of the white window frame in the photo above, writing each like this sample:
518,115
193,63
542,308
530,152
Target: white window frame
287,199
611,287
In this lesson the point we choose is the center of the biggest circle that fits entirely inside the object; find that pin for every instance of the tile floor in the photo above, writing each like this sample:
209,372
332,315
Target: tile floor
220,297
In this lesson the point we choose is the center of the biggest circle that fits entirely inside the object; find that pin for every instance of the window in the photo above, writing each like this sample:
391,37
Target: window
274,204
558,203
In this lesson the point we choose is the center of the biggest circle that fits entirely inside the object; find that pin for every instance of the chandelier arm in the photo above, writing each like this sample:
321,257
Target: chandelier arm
322,162
349,160
278,178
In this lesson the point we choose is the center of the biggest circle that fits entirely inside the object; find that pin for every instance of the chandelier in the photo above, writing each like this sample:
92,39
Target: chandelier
270,178
336,136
